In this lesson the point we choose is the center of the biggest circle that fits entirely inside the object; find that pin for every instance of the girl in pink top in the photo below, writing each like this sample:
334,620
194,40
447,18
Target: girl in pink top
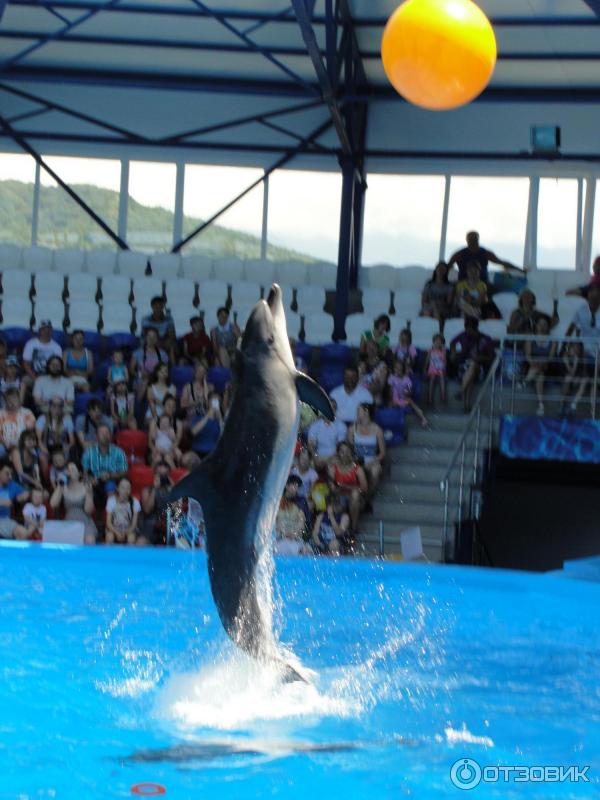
405,350
401,386
435,367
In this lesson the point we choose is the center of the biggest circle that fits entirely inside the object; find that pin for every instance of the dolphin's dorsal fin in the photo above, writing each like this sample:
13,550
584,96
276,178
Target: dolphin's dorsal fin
313,395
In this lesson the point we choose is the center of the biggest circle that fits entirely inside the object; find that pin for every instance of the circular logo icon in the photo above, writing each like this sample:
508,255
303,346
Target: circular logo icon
148,789
465,773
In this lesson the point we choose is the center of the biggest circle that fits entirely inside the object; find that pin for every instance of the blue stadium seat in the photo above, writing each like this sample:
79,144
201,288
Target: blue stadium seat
101,371
15,338
331,375
61,337
219,377
303,351
181,374
122,341
393,423
94,341
335,354
82,399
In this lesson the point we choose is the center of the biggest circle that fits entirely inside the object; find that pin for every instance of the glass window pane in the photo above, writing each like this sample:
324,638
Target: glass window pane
151,206
496,208
237,232
596,235
17,176
304,215
403,219
62,223
557,223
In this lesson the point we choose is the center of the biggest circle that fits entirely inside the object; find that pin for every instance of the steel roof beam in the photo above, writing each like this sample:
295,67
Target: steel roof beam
594,5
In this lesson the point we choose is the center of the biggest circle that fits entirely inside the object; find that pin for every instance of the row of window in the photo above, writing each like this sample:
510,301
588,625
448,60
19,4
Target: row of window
403,213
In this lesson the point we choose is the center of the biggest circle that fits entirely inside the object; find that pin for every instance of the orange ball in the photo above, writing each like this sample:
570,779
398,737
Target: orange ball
439,54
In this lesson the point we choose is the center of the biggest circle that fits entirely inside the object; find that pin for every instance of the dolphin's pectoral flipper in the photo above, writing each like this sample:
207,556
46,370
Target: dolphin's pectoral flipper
198,485
313,395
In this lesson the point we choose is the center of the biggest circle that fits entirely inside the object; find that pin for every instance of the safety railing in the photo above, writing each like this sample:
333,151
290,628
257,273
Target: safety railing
524,367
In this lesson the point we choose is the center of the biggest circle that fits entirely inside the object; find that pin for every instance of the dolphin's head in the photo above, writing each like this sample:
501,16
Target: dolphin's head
266,332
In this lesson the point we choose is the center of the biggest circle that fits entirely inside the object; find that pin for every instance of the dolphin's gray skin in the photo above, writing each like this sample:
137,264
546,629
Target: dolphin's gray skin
209,751
240,484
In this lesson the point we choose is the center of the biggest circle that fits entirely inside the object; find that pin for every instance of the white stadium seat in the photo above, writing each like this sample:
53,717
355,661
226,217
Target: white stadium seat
407,303
48,286
245,293
323,275
180,290
10,256
310,299
506,303
452,328
82,287
198,268
380,276
318,328
37,259
101,262
260,271
132,263
69,261
50,309
84,315
16,283
495,328
292,273
165,266
423,330
230,270
294,325
413,278
241,313
376,301
182,313
16,312
569,306
144,289
212,292
115,287
356,325
116,317
208,313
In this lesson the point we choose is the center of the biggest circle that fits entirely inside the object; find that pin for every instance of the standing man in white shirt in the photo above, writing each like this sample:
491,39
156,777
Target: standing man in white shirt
349,396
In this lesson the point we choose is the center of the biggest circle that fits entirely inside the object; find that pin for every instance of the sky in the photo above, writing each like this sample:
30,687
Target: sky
403,213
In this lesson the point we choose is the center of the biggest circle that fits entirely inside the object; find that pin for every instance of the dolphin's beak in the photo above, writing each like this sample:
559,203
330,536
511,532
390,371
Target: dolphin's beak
274,296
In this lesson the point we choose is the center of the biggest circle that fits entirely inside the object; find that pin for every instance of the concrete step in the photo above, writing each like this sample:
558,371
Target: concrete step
409,491
369,528
368,544
434,438
430,454
415,473
426,513
443,421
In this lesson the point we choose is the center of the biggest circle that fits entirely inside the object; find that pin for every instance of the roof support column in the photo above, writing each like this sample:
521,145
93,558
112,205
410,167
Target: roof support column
123,199
346,270
530,253
35,211
588,224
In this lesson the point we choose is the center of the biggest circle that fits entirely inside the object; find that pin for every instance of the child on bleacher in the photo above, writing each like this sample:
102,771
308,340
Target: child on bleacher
405,351
331,527
435,367
402,388
122,408
539,355
12,378
34,515
117,372
58,467
164,441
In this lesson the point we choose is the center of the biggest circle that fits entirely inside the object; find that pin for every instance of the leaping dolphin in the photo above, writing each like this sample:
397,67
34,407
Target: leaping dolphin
239,486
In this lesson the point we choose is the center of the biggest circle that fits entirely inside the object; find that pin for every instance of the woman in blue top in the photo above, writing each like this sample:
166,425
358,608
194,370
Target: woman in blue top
206,428
78,362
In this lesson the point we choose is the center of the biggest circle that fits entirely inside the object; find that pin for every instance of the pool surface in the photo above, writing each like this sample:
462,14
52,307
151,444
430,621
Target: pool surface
118,681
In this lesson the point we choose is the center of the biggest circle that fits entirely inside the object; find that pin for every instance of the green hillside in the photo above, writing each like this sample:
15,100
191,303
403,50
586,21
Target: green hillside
63,224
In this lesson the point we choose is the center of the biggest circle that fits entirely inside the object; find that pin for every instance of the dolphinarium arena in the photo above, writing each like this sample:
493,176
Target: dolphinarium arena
299,399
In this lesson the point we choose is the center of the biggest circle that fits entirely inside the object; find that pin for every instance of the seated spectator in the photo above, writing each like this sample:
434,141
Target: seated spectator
324,437
155,506
347,479
11,379
103,462
122,408
194,397
164,441
379,334
205,430
162,322
14,419
9,492
3,356
78,363
25,458
575,376
86,425
524,319
349,396
586,323
582,291
58,467
197,346
308,475
376,383
122,513
117,371
366,437
471,352
474,252
401,386
405,350
471,294
437,300
224,337
331,528
38,350
540,354
76,499
144,361
34,515
55,429
435,367
53,384
159,387
290,523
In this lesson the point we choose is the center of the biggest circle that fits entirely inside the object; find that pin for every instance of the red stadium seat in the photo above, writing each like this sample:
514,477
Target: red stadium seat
140,476
177,474
134,443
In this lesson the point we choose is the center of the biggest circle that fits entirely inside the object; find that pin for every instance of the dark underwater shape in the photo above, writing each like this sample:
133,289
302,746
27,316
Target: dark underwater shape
209,751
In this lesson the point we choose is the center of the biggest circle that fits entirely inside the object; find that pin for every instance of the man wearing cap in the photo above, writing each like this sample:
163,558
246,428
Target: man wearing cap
38,350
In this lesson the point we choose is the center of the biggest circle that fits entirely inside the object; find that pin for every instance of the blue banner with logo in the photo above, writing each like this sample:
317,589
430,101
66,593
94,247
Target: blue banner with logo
537,438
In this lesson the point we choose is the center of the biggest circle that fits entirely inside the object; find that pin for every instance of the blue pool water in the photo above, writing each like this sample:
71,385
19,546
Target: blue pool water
116,673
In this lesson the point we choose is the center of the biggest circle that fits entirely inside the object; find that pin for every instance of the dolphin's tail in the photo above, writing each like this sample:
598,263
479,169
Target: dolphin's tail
291,671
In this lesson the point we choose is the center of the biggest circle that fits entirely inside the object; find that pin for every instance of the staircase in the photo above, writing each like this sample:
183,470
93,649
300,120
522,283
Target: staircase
409,494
